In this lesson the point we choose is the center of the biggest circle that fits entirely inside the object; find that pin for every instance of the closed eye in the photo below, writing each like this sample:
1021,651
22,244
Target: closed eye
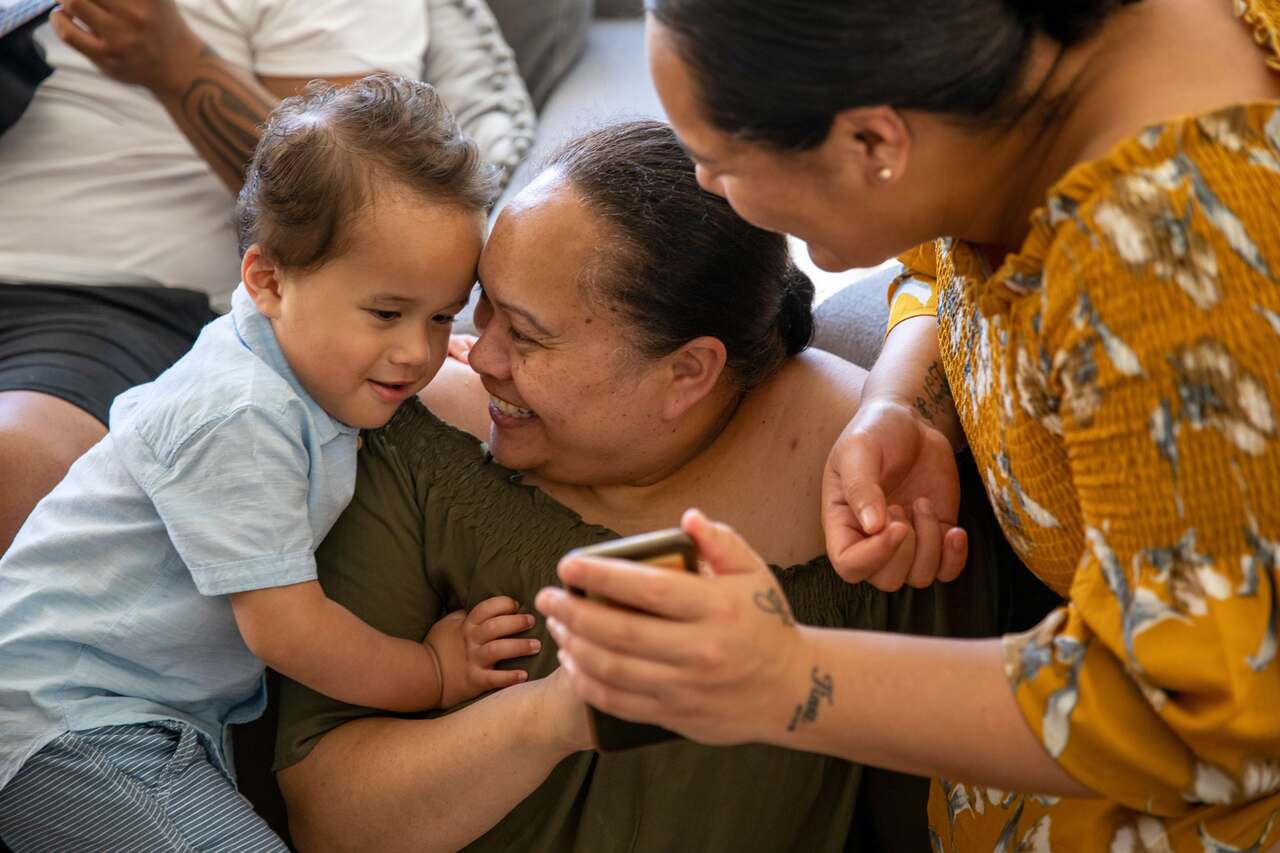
385,316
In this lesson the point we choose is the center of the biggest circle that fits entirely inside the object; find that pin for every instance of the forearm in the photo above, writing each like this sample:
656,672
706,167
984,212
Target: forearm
219,108
954,716
424,785
300,633
909,372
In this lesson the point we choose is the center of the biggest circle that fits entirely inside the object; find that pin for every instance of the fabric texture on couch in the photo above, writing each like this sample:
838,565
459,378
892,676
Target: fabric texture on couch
475,72
547,36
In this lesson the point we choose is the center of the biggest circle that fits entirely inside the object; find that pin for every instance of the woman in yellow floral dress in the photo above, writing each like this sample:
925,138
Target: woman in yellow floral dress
1093,189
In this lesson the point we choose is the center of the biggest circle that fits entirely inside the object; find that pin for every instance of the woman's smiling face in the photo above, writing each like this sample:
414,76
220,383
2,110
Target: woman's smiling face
570,398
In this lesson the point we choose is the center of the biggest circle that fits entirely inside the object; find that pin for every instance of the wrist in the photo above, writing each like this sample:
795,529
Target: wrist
560,714
802,694
434,670
173,79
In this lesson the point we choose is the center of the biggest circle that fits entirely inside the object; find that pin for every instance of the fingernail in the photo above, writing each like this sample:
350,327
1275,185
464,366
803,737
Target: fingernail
529,620
535,646
923,506
867,517
523,676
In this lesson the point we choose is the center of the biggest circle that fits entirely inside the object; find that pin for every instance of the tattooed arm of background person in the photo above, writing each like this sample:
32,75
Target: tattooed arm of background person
215,104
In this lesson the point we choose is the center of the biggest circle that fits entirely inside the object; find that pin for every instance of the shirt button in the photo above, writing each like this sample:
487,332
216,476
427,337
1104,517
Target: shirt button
359,441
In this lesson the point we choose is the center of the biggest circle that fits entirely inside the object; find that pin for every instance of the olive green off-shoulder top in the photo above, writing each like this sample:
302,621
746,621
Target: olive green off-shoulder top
436,525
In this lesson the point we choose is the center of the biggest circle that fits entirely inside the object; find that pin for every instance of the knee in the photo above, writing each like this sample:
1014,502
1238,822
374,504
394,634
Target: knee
34,456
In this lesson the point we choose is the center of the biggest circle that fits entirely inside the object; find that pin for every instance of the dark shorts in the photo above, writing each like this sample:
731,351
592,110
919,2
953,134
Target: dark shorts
85,345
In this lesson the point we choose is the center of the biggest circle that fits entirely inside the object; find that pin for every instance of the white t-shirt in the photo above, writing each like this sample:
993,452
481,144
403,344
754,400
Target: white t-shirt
97,184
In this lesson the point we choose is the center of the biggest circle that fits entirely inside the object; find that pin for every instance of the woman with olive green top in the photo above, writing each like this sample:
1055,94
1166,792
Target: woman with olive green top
622,396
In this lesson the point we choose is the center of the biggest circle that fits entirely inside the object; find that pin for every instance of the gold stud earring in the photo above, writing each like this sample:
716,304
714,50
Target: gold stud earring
884,174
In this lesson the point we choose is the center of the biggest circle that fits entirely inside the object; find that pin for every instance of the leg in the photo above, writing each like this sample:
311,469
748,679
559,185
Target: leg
140,787
65,353
40,436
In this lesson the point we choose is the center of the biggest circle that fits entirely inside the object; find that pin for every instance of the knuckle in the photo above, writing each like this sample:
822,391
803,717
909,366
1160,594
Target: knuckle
709,656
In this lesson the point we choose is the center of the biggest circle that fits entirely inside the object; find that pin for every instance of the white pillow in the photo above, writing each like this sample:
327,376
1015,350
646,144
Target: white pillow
474,70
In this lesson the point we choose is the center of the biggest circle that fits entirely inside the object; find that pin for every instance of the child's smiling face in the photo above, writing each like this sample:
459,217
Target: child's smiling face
370,328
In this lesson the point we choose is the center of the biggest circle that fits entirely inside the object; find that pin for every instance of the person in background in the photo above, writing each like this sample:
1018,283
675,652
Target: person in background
116,235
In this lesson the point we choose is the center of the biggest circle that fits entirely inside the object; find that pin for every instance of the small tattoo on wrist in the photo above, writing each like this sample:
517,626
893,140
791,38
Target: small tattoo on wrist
822,687
936,389
771,601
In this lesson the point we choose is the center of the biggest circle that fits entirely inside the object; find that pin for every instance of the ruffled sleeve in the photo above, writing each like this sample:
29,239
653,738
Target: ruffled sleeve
914,292
1157,685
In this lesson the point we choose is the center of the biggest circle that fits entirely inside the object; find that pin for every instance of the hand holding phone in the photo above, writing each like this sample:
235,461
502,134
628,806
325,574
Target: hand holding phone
668,549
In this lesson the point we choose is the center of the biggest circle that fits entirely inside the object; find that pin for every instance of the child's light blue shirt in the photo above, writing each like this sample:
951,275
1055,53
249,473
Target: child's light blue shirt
221,476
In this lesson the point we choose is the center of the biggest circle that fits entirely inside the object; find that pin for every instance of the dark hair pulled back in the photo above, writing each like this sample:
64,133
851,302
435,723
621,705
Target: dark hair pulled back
778,71
684,264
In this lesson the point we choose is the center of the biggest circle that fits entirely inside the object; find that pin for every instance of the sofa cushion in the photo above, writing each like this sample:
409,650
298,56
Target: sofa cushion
851,322
547,37
474,70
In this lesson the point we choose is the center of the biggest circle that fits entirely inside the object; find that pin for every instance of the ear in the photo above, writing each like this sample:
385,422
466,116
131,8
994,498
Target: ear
874,143
261,279
694,371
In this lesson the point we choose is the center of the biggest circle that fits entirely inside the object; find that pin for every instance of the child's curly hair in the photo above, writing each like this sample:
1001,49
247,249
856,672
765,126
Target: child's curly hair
324,155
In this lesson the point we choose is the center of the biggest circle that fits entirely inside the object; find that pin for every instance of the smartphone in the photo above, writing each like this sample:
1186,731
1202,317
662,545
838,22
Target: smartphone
667,549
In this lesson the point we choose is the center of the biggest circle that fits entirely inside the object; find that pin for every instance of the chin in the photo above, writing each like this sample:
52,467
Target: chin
826,260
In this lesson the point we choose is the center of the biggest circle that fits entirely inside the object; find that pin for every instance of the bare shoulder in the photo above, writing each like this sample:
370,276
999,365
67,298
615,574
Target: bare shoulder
456,396
815,387
779,444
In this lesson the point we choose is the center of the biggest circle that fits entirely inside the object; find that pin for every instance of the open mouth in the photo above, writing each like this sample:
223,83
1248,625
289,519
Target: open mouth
391,391
510,410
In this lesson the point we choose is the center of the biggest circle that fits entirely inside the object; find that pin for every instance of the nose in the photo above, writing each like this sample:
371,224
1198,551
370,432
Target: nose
709,181
413,348
487,356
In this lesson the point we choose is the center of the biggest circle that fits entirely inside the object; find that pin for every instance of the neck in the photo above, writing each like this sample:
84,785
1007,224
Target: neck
1014,168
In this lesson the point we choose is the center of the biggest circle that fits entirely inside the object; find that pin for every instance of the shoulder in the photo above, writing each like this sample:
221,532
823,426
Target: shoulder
1187,202
419,445
814,386
221,387
1183,218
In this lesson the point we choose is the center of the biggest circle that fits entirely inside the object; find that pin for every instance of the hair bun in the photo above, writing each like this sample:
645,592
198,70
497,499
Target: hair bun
1066,21
795,313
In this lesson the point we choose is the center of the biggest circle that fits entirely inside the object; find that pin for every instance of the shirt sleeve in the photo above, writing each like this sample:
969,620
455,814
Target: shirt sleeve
373,562
1157,684
330,38
914,292
233,499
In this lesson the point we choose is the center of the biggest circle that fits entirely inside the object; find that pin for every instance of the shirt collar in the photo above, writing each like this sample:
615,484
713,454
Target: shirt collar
255,332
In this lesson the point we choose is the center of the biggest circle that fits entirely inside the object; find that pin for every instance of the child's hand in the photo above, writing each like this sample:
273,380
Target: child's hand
470,644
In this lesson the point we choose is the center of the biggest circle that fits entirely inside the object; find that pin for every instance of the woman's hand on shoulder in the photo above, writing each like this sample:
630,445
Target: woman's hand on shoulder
703,655
890,500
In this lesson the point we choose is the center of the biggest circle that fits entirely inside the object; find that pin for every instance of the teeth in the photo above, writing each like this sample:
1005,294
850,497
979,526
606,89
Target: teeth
509,409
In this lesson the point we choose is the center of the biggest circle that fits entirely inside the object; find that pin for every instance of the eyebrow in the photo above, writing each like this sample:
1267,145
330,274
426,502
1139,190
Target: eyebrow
515,309
396,299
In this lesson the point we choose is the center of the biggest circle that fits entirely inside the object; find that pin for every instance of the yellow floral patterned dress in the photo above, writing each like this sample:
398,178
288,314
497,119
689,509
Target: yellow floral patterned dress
1119,383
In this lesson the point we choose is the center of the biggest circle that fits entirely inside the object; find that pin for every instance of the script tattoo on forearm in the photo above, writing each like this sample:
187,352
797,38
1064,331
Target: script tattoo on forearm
223,114
937,391
771,601
822,687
